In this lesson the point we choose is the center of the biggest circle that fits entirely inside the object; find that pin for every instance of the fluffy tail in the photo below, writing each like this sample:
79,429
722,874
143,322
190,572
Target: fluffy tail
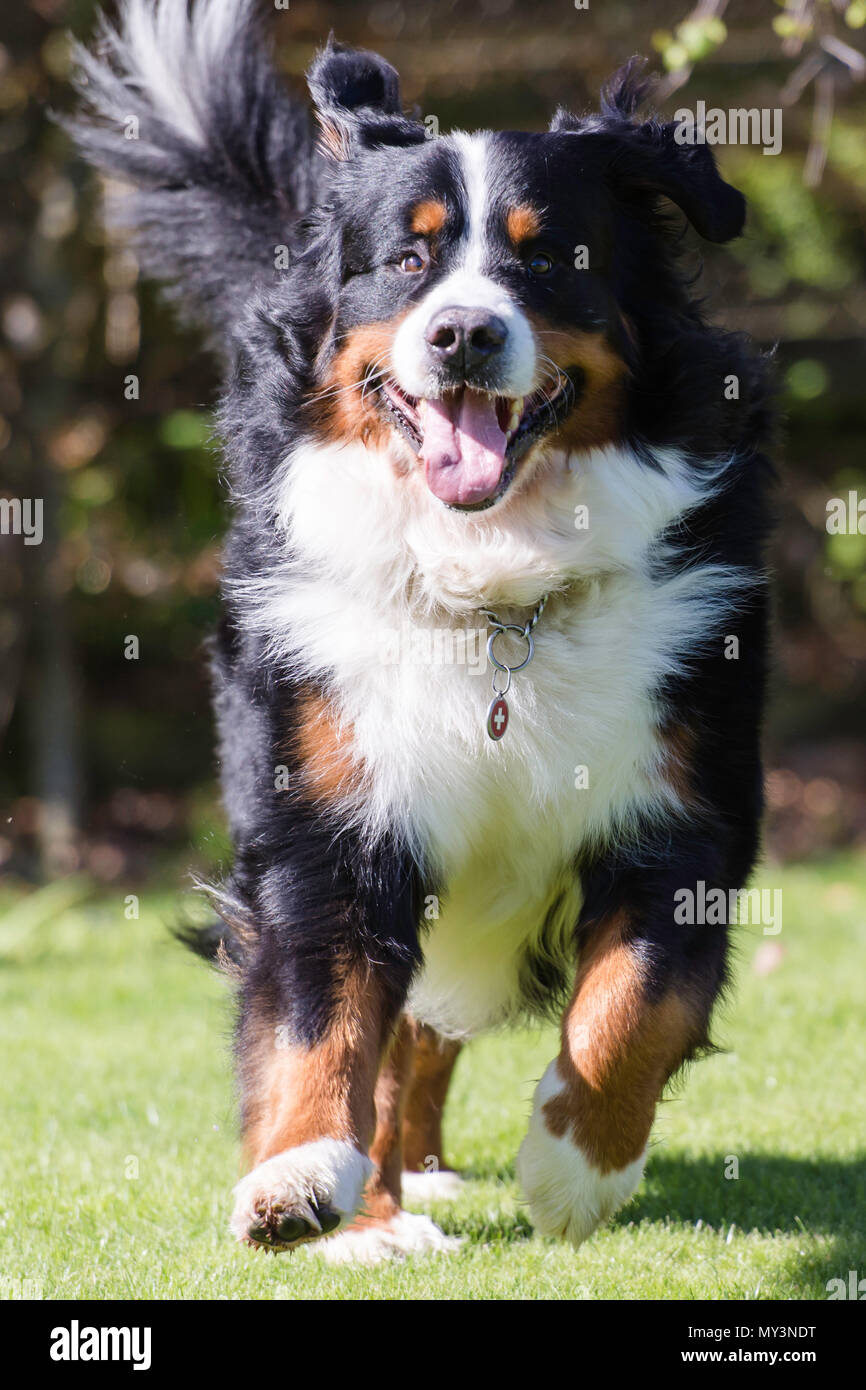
182,101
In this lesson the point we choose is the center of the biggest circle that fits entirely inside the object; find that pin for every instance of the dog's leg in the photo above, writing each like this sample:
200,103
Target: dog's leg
384,1230
308,1114
329,922
425,1171
640,1007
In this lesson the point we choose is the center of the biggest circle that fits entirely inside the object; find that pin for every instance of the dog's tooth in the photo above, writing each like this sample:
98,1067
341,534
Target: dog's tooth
516,412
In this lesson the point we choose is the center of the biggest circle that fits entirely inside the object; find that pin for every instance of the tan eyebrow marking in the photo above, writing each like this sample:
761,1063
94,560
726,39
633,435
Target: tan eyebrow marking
428,217
523,223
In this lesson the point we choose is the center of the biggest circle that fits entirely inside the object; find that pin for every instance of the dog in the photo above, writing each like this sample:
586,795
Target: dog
471,409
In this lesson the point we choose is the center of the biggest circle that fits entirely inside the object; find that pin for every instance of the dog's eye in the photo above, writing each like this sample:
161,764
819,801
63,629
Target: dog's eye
540,264
412,263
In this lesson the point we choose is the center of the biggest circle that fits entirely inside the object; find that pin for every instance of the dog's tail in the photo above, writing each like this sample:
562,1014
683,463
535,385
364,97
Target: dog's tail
183,102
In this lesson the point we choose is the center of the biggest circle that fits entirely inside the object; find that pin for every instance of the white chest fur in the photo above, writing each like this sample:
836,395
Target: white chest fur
380,574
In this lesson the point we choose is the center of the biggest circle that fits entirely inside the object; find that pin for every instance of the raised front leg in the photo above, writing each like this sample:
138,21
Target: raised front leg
641,1005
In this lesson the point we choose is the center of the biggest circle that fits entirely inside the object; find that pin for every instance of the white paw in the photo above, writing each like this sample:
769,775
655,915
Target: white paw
431,1186
405,1234
568,1196
300,1194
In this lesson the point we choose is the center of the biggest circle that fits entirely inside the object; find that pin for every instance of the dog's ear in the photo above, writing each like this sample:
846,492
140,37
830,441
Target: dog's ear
356,97
655,158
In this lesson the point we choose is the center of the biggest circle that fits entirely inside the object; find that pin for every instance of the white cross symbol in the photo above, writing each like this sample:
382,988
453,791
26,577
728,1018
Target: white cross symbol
499,719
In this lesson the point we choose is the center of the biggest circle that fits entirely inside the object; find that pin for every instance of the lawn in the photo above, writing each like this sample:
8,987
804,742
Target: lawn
121,1144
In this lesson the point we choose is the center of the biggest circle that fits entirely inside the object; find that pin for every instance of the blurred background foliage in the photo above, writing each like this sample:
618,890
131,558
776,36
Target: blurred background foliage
107,762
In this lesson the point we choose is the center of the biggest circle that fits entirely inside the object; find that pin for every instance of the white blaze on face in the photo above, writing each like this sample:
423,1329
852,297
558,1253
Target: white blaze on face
474,162
465,433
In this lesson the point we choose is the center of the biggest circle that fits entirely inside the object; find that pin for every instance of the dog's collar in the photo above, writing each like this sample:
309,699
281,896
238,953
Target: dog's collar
498,713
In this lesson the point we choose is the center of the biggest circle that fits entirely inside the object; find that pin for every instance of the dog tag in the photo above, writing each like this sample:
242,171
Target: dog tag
497,717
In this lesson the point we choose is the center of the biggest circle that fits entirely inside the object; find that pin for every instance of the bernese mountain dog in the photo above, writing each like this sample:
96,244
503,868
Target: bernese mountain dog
490,671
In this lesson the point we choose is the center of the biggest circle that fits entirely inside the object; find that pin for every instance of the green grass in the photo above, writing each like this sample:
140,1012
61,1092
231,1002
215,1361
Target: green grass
117,1048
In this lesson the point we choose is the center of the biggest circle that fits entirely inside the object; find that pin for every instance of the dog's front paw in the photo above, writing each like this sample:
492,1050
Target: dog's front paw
300,1195
568,1196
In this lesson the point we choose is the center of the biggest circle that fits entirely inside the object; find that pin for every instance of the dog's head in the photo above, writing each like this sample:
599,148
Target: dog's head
490,293
478,307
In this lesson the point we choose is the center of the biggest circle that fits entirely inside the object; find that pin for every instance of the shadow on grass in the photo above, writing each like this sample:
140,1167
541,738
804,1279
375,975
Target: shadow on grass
823,1199
770,1193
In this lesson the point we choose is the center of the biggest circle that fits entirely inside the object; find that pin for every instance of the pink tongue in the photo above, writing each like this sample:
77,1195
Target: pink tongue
462,447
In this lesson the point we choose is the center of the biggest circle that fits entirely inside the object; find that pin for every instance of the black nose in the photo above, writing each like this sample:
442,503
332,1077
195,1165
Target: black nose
463,339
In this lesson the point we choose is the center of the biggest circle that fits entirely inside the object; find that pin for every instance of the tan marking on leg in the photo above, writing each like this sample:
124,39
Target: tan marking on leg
382,1196
428,217
434,1062
295,1095
383,1230
522,223
618,1050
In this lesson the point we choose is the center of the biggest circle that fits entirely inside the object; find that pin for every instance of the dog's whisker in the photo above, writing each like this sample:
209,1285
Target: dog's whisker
373,370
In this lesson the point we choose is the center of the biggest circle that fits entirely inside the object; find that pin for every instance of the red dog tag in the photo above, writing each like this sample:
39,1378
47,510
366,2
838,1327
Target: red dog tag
497,717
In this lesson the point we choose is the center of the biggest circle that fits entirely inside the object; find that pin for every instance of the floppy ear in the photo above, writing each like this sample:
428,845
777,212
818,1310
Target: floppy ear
356,97
651,158
647,156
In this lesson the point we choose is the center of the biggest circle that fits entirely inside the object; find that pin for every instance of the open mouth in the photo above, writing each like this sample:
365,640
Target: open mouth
472,441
